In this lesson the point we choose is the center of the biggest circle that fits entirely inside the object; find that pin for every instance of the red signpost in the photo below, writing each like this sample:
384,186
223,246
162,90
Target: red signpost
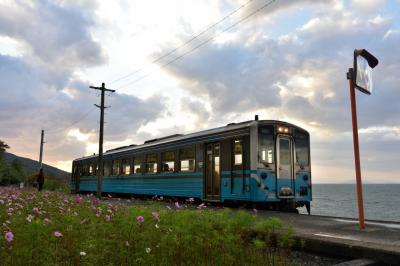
356,152
359,77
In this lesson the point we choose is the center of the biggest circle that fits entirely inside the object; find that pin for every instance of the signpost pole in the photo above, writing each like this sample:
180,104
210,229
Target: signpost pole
356,149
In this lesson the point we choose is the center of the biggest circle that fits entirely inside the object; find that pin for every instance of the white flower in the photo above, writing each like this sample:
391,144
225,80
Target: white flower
148,250
156,225
29,218
82,253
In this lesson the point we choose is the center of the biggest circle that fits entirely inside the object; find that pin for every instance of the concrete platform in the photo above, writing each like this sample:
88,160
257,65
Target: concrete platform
379,241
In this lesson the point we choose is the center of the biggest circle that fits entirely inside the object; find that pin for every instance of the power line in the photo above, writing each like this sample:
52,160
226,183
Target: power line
73,123
201,44
185,43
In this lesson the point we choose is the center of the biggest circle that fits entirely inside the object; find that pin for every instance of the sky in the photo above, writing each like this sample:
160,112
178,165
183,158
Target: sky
182,66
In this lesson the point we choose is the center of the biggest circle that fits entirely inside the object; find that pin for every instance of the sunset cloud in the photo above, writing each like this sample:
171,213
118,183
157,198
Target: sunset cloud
288,61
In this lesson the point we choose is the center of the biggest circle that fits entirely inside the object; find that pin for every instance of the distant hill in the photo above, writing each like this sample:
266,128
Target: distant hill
32,166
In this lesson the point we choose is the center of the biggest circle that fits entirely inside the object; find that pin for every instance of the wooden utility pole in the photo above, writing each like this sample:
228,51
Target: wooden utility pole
41,150
100,160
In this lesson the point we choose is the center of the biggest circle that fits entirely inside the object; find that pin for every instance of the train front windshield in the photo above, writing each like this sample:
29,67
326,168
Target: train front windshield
266,147
302,146
299,142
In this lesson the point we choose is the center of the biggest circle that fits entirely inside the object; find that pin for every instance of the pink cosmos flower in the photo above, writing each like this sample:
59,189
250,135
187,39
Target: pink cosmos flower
99,212
108,218
140,219
46,221
36,209
10,210
201,206
177,205
95,201
78,199
9,236
191,200
109,196
57,234
254,211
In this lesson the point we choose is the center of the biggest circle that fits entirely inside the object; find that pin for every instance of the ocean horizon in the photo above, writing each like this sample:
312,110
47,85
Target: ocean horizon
381,201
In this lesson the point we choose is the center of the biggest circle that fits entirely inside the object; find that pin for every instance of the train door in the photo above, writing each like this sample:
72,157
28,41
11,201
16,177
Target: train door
285,176
76,177
213,171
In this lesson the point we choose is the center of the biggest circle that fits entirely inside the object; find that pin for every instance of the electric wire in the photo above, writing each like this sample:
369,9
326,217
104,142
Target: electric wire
185,43
199,45
178,57
72,124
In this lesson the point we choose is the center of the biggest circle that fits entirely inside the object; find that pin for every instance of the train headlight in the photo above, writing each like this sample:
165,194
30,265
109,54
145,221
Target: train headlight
283,130
286,191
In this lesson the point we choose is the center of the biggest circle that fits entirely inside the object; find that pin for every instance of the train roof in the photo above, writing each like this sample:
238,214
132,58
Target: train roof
179,137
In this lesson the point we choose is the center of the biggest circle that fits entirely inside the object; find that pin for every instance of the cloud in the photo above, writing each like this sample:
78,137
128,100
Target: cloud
225,75
55,34
272,65
40,88
367,6
303,76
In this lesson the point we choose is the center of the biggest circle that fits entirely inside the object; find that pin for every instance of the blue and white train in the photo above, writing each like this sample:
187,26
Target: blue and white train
263,162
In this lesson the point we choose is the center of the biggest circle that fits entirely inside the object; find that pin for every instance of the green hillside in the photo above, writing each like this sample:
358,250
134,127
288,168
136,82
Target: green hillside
31,167
15,169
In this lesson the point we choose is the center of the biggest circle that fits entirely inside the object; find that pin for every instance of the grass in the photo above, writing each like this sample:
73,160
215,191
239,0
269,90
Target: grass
56,228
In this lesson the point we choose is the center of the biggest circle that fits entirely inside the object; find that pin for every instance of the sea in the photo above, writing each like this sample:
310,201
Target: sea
381,201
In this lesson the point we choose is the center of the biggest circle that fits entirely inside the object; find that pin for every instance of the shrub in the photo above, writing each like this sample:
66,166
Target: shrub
54,228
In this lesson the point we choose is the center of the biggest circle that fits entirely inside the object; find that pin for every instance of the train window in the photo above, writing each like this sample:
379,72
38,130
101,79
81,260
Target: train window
187,159
302,145
85,170
137,165
115,167
151,163
126,167
238,152
106,168
168,161
266,146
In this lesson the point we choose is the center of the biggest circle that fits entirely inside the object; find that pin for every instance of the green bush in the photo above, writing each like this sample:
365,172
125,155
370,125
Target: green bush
10,174
55,185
